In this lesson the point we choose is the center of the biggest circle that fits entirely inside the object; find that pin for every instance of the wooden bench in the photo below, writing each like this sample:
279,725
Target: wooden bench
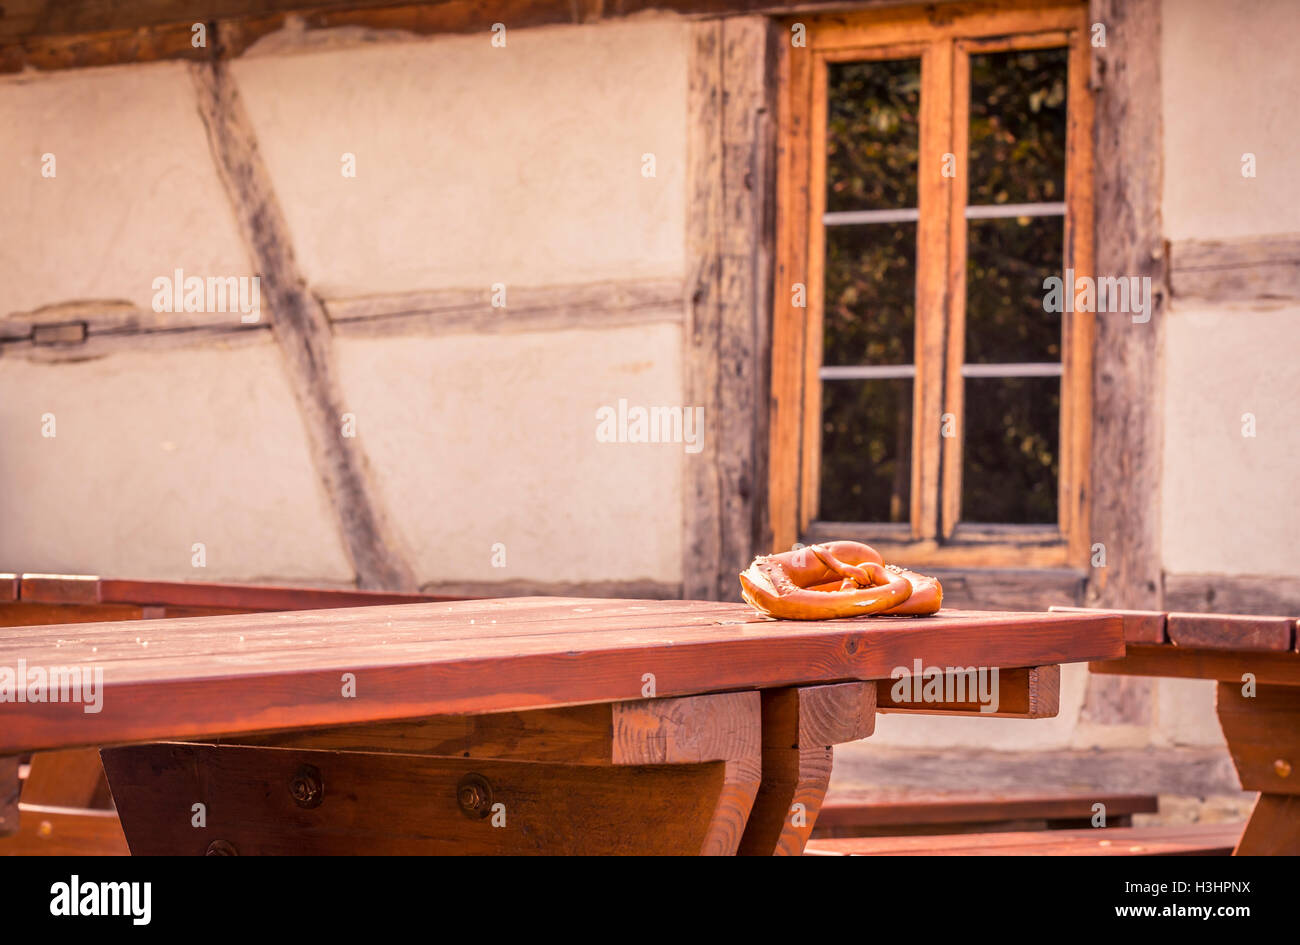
1188,840
1256,663
889,813
42,599
526,725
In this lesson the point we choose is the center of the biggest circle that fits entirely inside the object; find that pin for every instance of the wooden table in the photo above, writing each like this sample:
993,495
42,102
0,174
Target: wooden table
547,725
1257,666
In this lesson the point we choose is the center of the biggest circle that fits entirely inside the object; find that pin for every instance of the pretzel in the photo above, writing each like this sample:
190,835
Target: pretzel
836,579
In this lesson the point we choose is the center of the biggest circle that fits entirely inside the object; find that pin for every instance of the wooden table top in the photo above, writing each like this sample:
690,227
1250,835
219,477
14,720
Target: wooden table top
194,677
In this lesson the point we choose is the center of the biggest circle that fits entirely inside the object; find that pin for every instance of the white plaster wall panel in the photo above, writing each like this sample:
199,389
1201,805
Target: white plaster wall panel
1229,84
476,164
1185,713
483,439
135,194
153,453
1229,503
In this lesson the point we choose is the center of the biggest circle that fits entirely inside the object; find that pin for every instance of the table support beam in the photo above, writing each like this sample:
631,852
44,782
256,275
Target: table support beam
666,776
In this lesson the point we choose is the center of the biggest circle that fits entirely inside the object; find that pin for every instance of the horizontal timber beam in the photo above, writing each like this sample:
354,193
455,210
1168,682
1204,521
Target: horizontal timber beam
83,329
1237,270
71,34
593,305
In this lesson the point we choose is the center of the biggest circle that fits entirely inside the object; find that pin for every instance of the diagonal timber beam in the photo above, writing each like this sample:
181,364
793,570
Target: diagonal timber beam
301,329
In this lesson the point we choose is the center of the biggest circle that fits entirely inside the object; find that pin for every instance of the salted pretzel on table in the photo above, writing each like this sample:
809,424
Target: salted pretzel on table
837,579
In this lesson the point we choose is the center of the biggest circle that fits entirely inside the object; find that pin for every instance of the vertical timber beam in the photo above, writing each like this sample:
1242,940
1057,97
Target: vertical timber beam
731,163
1127,426
301,328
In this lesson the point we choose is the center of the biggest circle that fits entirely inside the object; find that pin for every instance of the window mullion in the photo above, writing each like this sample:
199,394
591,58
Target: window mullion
932,290
1077,328
810,462
955,352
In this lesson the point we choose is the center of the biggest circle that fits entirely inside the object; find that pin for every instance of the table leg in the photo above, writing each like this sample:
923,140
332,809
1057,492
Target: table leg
800,726
1263,735
1273,828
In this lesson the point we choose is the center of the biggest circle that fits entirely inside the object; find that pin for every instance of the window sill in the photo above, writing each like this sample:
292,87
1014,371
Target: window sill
973,546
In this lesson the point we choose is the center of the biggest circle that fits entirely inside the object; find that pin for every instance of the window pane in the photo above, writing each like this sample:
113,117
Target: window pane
1011,458
1017,127
1006,263
872,134
866,468
870,301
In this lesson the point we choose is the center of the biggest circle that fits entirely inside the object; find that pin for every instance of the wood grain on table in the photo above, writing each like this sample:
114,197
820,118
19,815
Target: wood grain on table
191,677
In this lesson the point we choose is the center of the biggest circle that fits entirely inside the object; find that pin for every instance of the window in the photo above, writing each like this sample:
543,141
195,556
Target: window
935,170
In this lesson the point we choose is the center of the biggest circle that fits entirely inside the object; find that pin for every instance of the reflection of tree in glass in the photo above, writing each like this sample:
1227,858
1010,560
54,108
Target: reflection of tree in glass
1011,462
869,308
866,451
872,134
1006,263
1017,127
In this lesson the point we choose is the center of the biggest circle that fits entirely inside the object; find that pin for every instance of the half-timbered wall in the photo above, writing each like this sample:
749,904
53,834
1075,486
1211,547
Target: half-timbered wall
521,173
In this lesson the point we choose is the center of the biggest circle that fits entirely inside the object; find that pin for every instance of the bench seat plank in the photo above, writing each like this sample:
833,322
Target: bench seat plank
1181,840
889,810
1231,632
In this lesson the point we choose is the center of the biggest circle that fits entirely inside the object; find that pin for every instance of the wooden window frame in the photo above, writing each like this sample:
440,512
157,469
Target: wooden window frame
942,37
